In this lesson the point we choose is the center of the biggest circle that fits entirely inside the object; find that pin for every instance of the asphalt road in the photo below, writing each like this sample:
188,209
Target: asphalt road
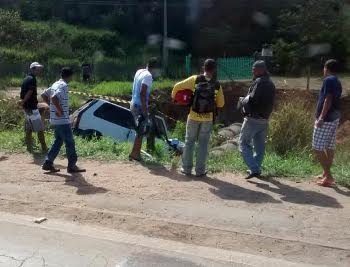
24,243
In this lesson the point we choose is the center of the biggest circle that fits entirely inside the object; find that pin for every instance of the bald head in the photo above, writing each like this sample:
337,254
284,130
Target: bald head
259,68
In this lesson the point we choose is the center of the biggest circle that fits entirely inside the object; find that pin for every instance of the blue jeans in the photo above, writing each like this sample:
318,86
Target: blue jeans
63,134
201,131
252,143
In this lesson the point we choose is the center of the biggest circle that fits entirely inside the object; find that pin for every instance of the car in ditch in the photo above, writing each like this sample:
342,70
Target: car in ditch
99,118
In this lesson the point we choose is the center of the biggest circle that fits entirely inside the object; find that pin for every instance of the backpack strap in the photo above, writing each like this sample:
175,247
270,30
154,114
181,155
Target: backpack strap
200,79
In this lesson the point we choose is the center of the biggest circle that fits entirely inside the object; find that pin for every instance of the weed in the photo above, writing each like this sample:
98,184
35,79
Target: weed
291,127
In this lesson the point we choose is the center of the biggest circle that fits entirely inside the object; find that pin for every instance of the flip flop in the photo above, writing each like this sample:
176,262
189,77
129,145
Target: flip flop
131,158
326,183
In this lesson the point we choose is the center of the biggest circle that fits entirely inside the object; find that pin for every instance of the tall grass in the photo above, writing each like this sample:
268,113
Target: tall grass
291,127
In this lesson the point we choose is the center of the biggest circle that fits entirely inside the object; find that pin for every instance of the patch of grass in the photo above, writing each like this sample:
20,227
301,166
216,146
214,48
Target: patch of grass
115,88
179,131
291,127
295,165
10,115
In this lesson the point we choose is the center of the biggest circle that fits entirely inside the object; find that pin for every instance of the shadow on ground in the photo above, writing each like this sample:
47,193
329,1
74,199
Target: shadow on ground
221,189
297,195
77,180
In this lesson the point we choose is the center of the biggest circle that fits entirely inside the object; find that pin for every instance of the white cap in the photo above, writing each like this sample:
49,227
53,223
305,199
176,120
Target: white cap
36,65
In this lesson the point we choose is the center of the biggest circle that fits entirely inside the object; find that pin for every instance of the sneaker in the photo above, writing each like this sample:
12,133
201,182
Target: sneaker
202,174
185,172
50,168
75,169
253,175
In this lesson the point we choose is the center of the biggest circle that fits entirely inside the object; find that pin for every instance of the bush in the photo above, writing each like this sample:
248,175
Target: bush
179,131
291,127
11,116
10,27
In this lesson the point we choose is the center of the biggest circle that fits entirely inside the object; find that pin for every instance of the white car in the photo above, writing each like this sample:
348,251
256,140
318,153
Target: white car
102,118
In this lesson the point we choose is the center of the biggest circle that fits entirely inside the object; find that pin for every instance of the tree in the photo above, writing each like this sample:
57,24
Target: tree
310,31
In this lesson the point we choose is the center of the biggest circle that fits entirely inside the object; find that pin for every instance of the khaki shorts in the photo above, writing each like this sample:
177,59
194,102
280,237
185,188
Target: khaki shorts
33,121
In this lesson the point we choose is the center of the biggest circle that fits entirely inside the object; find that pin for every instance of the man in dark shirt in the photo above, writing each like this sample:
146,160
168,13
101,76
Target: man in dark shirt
327,121
29,103
257,107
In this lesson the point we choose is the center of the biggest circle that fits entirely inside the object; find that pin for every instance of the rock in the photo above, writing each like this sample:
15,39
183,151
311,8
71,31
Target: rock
217,153
234,141
228,147
231,131
235,128
40,220
226,134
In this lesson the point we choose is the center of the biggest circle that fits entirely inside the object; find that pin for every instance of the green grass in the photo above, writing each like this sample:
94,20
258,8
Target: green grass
296,166
116,88
96,149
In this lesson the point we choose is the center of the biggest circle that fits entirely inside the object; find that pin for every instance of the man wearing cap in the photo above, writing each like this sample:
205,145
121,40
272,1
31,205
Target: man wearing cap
29,103
256,107
201,117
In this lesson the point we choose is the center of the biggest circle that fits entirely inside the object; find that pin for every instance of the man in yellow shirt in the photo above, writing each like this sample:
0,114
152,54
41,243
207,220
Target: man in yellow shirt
208,96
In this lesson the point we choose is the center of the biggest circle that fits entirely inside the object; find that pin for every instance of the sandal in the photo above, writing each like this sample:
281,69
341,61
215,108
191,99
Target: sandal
138,159
326,183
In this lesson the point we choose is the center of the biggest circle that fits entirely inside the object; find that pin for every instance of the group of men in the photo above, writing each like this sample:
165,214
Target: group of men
205,100
56,97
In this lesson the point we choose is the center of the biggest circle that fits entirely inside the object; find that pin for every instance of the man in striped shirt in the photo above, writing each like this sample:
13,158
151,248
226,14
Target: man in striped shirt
57,96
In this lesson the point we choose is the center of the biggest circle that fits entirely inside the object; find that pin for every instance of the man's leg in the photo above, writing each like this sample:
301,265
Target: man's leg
330,156
321,140
70,147
136,149
29,139
202,149
55,148
192,128
41,137
324,161
245,146
259,141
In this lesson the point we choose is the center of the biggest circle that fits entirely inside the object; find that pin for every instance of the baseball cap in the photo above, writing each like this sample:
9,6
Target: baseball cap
260,64
36,65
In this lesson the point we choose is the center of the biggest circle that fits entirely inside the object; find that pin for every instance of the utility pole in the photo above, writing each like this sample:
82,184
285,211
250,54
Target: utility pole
165,36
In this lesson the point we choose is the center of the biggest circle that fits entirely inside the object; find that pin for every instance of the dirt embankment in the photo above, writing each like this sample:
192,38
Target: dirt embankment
234,90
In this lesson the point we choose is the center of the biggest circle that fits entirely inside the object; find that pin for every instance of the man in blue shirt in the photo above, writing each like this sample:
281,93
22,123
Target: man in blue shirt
139,104
327,121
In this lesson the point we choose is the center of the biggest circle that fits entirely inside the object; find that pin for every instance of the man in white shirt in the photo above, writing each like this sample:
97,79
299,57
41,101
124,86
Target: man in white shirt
57,97
139,104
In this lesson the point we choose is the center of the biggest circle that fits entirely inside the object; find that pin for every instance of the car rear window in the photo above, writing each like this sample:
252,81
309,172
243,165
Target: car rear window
116,114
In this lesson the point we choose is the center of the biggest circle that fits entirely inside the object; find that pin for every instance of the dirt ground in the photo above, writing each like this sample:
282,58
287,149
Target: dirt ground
275,218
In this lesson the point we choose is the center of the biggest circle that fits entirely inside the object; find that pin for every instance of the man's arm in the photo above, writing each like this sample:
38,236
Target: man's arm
56,102
27,96
189,83
46,96
326,107
143,96
327,104
257,92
